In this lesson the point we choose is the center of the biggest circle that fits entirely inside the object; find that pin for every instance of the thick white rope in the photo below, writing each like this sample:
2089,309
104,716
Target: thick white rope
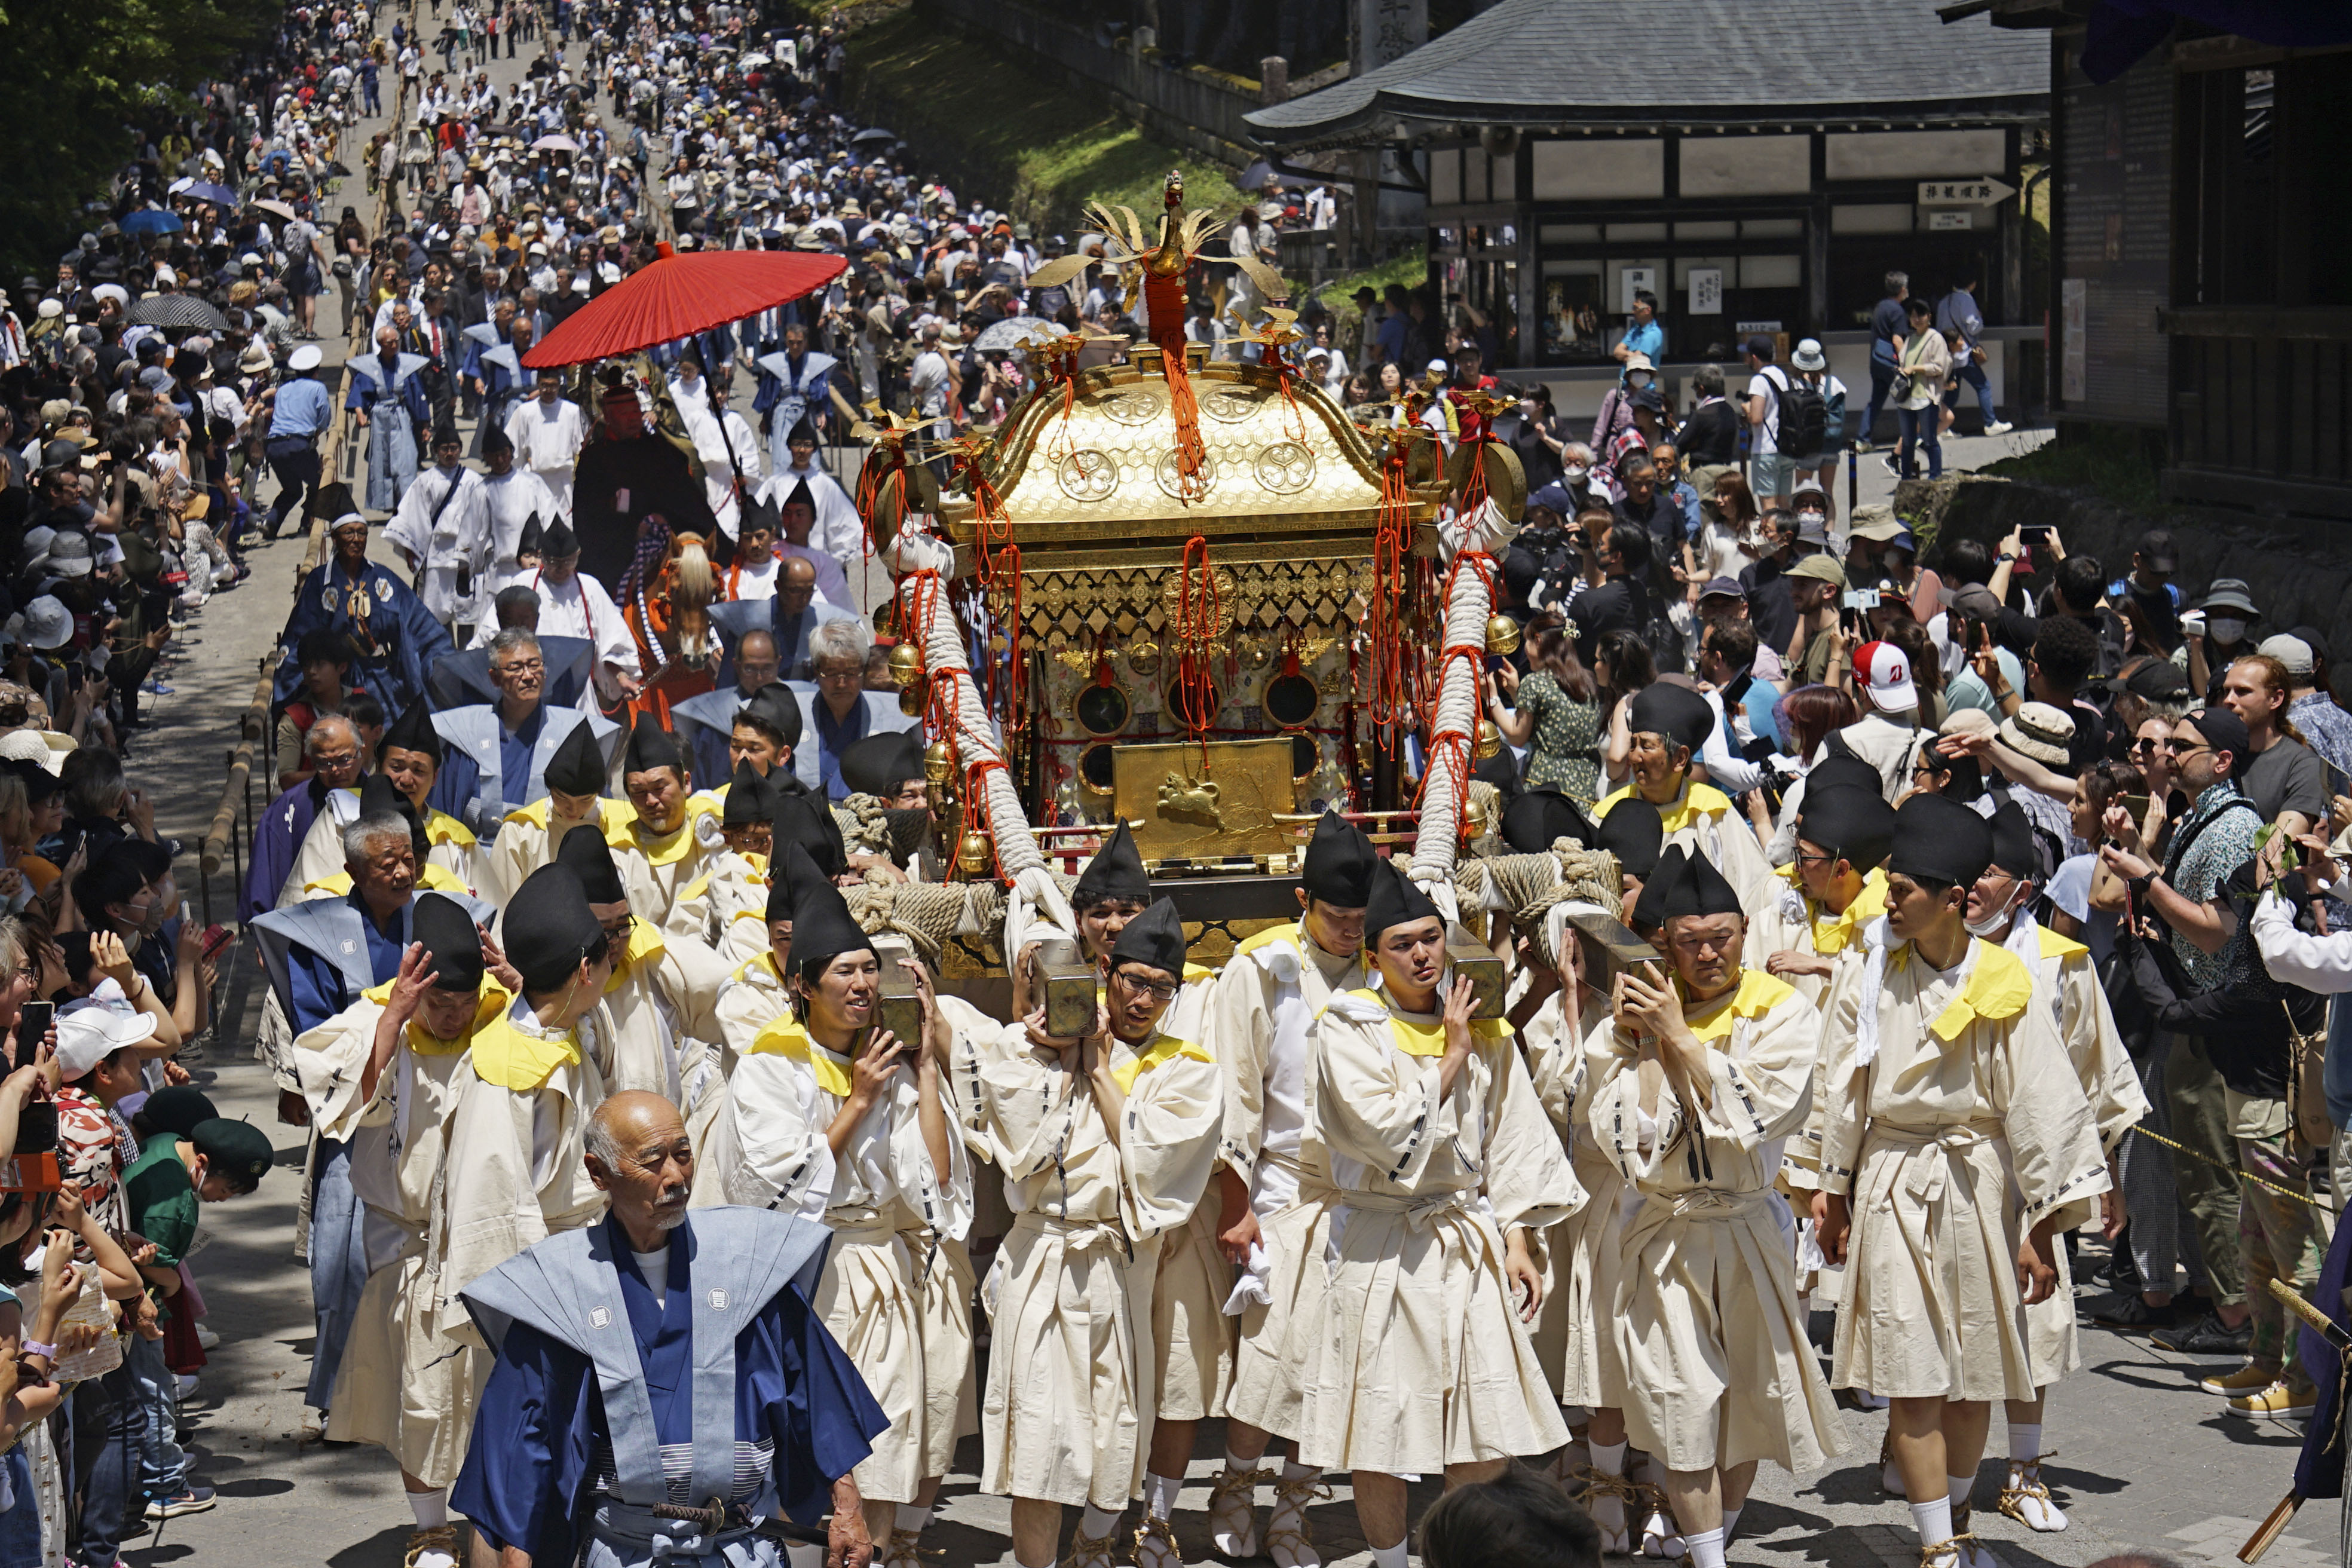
1035,895
1466,609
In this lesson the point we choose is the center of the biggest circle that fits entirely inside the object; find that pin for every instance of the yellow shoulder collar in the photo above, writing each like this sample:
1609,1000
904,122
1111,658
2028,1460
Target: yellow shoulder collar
2058,947
644,946
759,963
1756,995
1286,934
1159,1048
505,1056
440,827
1832,933
668,849
1415,1038
1998,988
1696,800
785,1037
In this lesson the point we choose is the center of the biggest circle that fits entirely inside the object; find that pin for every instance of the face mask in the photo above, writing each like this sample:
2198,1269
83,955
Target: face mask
1814,517
1993,921
1573,473
2225,629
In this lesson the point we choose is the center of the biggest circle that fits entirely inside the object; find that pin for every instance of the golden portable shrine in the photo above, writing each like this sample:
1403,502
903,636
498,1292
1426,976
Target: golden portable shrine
1201,598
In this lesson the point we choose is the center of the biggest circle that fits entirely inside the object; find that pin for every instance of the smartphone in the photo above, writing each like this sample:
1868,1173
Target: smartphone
217,937
1860,598
32,1024
2034,534
2136,807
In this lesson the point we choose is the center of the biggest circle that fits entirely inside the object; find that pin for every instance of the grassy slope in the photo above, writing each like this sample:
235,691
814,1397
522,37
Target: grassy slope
1004,134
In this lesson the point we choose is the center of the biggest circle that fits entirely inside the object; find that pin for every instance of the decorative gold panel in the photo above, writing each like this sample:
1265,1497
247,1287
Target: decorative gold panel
1225,805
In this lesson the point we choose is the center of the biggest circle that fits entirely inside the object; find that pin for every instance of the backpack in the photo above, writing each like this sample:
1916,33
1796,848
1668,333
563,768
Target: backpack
1804,416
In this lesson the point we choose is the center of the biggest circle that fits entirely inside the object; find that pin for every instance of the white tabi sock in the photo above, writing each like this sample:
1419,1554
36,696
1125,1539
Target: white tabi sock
1292,1471
1098,1523
2024,1442
1731,1523
1608,1458
1160,1495
431,1508
1957,1489
1389,1556
1705,1547
911,1517
1933,1520
1235,1465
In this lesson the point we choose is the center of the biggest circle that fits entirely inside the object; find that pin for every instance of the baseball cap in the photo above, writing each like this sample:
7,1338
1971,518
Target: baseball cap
2224,732
1821,569
1722,587
1885,672
2289,650
2156,545
2156,680
88,1035
306,357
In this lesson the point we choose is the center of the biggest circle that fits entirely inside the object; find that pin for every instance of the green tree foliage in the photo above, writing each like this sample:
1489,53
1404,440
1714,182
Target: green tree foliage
79,76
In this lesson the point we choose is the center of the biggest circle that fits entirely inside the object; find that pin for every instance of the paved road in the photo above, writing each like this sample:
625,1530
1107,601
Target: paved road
2145,1461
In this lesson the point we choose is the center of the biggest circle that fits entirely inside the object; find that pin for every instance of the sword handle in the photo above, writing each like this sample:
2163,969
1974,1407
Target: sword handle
2259,1541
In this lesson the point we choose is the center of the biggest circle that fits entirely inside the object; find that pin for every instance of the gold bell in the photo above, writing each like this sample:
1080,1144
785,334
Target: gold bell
906,665
914,695
938,762
1490,740
974,853
1502,634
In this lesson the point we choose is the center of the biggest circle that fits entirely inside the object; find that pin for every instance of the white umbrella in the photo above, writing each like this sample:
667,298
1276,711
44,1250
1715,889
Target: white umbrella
755,61
555,144
280,208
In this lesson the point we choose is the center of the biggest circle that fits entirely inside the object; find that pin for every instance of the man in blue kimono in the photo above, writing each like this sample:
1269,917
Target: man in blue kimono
387,392
794,385
336,759
680,1351
500,750
499,373
394,637
321,954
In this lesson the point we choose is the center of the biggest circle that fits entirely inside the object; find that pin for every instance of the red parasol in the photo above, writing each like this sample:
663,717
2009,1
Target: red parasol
678,296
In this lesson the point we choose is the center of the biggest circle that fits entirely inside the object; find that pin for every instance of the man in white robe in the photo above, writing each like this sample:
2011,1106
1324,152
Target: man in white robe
382,1076
2065,983
443,532
838,531
517,1136
571,605
729,450
1711,1070
860,1132
1106,1144
1668,724
548,432
1276,1208
1948,1090
1445,1168
514,496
